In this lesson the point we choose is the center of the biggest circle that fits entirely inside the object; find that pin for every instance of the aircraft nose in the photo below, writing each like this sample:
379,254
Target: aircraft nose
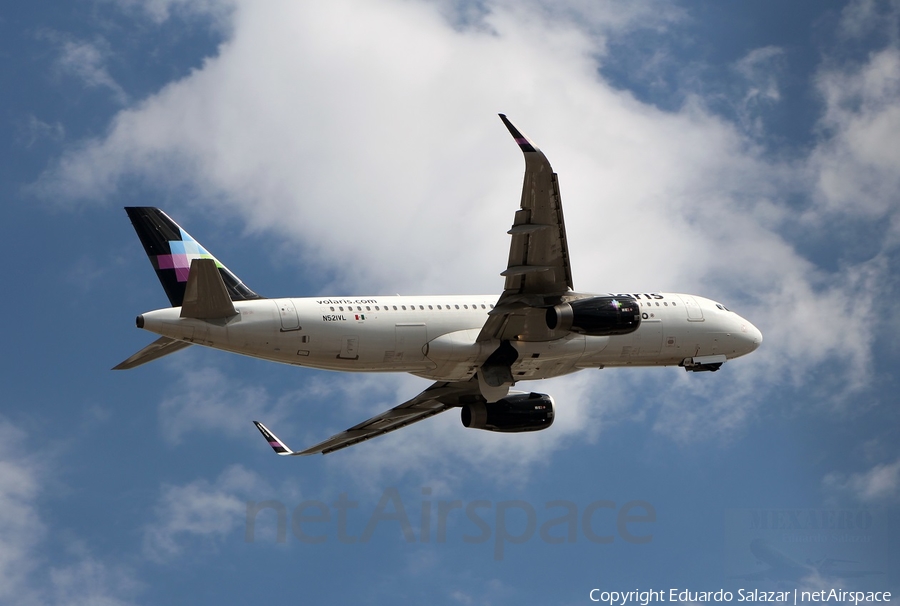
751,335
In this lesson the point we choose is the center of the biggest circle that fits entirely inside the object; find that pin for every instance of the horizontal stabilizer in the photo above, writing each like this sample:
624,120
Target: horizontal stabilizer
205,295
163,346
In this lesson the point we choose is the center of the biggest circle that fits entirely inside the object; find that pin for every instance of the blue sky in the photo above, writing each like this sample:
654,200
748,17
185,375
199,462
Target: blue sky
740,151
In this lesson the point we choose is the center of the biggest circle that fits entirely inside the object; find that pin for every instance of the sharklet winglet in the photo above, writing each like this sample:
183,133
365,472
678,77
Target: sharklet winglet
526,144
277,445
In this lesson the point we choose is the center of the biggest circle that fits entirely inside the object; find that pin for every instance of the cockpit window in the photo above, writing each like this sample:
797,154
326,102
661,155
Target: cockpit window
722,307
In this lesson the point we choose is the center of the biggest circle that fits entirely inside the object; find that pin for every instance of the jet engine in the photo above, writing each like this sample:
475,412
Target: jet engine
596,316
515,413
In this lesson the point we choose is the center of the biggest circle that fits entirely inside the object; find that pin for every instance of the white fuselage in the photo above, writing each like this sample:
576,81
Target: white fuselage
435,336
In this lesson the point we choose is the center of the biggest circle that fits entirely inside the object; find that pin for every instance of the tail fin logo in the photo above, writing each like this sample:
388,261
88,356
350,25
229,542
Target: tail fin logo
182,252
171,250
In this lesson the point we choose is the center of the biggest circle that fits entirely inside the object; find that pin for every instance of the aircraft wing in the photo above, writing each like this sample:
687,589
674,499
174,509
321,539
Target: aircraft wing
436,399
538,271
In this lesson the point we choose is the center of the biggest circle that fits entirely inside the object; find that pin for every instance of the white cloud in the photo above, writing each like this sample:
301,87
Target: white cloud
760,67
363,135
201,512
160,11
862,19
87,62
858,165
25,577
33,130
876,486
92,582
761,70
21,529
207,400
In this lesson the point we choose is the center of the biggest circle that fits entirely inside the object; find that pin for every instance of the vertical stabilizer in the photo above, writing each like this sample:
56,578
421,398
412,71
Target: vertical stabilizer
171,250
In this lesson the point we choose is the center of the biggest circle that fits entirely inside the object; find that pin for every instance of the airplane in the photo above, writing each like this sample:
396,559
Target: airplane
474,347
782,568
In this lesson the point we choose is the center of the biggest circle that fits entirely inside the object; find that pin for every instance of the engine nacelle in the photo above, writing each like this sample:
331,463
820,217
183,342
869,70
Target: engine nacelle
597,316
515,413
